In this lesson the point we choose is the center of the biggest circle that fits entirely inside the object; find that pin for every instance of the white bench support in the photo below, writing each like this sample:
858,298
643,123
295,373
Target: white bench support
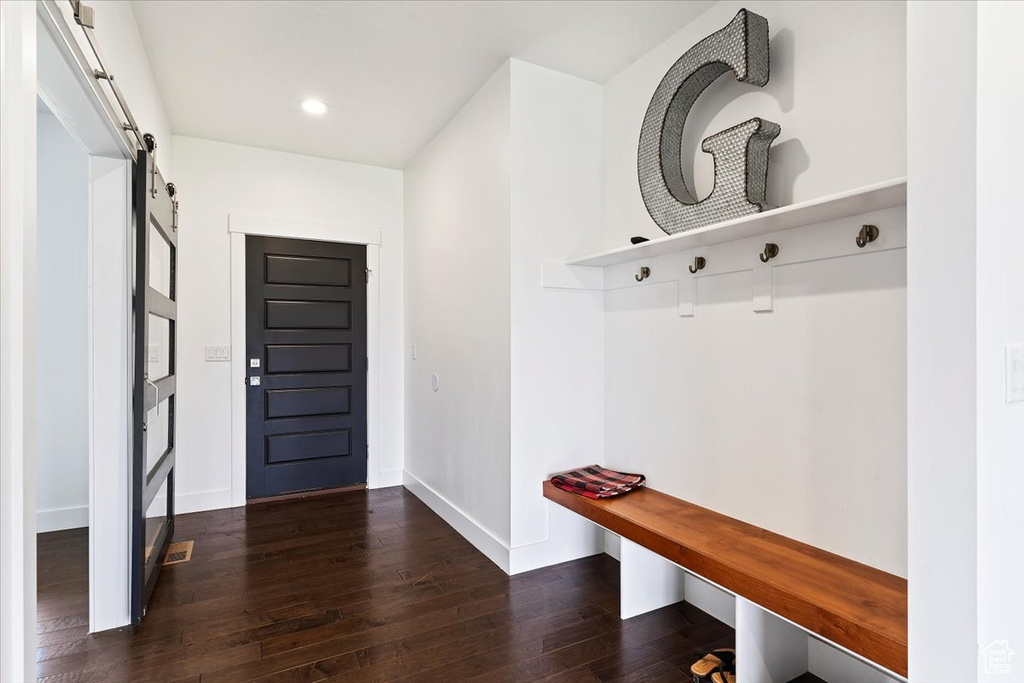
647,580
768,649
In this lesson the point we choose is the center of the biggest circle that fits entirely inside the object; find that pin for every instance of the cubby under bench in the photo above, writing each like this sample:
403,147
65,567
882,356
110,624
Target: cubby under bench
784,590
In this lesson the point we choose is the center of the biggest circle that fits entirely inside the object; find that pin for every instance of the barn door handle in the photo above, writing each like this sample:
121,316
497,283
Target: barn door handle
145,420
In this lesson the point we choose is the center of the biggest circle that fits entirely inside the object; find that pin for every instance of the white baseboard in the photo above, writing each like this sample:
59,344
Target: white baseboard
484,541
184,503
570,537
62,518
200,501
386,478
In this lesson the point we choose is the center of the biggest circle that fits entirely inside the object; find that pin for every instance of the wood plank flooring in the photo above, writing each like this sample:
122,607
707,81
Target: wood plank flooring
358,586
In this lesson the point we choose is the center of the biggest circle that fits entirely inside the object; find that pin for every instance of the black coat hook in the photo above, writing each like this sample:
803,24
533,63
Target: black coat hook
867,234
644,273
771,250
699,262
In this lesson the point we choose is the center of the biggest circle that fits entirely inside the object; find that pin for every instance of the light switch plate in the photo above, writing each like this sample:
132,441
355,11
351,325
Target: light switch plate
1014,373
218,354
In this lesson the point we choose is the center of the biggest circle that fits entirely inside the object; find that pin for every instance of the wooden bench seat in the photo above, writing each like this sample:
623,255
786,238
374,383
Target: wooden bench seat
853,605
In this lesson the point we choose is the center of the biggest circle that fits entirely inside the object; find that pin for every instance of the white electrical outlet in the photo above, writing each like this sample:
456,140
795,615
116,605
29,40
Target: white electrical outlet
218,354
1014,373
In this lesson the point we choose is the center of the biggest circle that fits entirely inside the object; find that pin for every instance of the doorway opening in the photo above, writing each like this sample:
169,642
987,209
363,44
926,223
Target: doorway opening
81,365
62,362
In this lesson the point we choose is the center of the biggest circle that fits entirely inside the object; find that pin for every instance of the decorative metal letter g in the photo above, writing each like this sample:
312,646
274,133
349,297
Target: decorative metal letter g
740,153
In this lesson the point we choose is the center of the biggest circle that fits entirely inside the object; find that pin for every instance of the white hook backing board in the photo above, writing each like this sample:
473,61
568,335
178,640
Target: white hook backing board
832,239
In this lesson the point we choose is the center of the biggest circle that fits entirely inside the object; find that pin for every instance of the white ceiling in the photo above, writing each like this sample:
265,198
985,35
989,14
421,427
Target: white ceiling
393,73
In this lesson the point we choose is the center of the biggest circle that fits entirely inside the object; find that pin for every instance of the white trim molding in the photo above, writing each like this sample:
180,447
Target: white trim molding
269,226
17,340
240,225
570,537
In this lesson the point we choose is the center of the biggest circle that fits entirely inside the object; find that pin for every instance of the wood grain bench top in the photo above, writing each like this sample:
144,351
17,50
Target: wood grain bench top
853,605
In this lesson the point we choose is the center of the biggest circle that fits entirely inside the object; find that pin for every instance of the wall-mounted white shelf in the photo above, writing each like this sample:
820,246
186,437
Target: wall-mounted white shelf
878,197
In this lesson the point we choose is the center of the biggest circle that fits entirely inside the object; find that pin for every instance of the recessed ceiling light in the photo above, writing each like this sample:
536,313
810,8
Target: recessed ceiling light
314,107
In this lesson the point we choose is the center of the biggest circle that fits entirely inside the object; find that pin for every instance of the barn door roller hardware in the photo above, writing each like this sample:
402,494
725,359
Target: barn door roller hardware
85,17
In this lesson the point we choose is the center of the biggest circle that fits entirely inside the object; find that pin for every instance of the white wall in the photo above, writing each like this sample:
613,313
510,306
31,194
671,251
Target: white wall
1000,312
457,223
837,88
62,346
557,346
966,443
941,341
792,420
511,183
214,180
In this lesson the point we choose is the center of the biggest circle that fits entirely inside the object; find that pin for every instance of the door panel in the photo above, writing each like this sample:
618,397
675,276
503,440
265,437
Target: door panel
306,333
308,270
326,315
154,322
292,358
309,446
307,402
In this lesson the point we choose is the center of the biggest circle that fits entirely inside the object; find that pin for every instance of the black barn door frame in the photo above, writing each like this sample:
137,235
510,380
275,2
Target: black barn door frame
155,206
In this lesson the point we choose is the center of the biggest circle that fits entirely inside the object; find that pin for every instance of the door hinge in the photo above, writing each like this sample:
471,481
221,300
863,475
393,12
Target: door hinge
368,271
367,363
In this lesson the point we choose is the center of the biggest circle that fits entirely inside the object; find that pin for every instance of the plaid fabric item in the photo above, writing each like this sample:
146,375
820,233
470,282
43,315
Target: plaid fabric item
594,481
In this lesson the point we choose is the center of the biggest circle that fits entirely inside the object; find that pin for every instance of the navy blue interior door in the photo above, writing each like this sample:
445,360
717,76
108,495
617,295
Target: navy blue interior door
306,365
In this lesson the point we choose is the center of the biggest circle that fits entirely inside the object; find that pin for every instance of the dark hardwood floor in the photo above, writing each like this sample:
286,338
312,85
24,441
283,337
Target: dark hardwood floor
358,586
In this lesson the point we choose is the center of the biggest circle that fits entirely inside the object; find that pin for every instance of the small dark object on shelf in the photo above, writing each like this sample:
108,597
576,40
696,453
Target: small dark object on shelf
637,239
